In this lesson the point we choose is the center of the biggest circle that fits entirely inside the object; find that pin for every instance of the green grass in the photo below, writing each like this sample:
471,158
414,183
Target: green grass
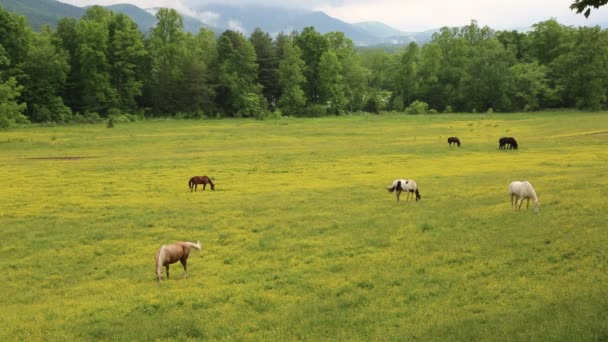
301,239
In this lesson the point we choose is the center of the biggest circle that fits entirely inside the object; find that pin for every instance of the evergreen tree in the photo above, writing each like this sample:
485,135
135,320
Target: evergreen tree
331,83
406,79
45,71
312,46
268,65
239,94
97,93
167,52
126,56
291,71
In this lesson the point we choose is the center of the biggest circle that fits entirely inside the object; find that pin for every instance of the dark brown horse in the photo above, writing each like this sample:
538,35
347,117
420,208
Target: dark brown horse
171,254
196,180
507,143
453,140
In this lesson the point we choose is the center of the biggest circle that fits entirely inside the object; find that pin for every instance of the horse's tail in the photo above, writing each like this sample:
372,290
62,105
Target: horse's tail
458,142
418,197
391,188
191,183
196,245
158,262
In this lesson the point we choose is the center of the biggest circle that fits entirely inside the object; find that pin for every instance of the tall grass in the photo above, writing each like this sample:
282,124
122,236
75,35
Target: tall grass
301,241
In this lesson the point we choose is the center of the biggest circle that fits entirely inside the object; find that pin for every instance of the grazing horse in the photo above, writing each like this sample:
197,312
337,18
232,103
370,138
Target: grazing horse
520,191
408,186
453,140
196,180
507,142
170,254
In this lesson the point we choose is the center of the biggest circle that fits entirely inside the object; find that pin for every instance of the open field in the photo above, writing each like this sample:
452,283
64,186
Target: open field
301,239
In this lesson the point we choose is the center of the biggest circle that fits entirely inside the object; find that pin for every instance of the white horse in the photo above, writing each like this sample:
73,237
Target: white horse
406,185
520,191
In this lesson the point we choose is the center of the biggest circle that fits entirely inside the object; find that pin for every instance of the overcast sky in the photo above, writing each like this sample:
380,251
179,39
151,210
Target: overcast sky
411,15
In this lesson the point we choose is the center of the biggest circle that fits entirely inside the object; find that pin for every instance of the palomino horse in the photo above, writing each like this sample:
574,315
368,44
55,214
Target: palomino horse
520,191
196,180
453,140
170,254
406,185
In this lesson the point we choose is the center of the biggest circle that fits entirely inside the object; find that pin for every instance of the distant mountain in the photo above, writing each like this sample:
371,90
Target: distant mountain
220,17
191,24
42,12
145,21
273,20
379,29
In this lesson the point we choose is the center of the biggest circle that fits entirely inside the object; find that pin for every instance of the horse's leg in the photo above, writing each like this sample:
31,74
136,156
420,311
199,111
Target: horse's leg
528,203
398,193
204,186
513,204
167,267
195,187
184,262
521,201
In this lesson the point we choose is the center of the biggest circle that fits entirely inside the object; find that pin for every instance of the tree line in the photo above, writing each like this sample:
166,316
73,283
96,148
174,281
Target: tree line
102,66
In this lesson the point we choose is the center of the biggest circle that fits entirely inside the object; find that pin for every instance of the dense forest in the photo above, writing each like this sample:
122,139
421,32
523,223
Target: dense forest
101,66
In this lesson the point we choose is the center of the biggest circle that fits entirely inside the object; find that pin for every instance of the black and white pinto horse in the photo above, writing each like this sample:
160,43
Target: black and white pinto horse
406,185
507,143
453,140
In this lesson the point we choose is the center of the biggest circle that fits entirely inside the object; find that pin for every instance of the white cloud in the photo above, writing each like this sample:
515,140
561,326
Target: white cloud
235,25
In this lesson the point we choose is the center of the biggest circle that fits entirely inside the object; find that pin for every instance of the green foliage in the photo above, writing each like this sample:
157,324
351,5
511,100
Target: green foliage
291,79
268,65
585,5
11,111
102,61
331,83
239,94
167,50
372,105
417,107
126,55
530,85
314,110
312,45
406,78
97,93
45,69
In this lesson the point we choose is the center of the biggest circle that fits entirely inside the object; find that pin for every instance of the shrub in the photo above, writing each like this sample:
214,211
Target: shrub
448,109
417,107
372,105
314,110
86,117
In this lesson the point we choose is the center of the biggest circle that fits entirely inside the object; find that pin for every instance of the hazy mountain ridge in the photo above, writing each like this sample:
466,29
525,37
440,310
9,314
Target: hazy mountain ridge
220,17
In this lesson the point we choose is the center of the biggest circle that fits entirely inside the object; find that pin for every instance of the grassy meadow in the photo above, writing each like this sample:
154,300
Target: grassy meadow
301,239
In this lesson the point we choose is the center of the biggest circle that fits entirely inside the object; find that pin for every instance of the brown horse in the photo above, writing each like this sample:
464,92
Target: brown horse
454,140
196,180
171,254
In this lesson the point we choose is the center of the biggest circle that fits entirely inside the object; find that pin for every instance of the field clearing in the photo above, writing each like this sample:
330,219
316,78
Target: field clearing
301,239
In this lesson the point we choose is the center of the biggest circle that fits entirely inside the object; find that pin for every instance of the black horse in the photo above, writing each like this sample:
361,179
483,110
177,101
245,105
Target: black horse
453,140
507,143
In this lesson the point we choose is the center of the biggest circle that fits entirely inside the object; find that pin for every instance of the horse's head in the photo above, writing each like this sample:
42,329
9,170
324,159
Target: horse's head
536,206
212,186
